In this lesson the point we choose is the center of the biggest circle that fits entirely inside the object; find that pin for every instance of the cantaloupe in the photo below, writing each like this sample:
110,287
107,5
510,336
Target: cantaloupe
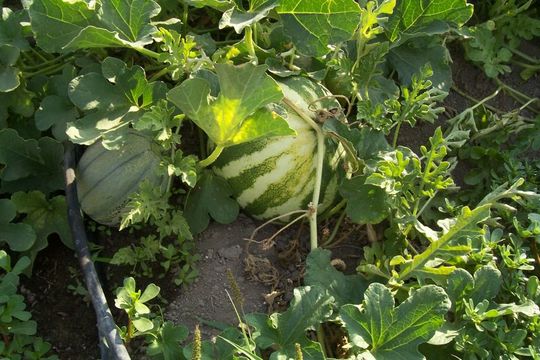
107,178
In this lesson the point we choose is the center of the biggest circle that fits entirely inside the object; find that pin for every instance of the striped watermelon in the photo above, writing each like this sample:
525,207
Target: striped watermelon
274,176
106,178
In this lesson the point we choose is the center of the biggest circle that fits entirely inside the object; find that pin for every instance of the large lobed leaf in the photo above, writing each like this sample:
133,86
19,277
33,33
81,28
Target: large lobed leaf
345,289
310,306
30,163
110,101
238,114
415,15
315,24
390,333
61,26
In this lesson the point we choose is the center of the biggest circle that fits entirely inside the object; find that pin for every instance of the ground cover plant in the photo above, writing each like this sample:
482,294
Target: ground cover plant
292,111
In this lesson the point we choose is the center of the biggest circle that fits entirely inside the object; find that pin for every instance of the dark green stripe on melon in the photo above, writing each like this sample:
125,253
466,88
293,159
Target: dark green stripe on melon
107,178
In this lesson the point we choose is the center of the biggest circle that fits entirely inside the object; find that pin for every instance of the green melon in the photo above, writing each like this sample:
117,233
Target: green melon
107,178
274,176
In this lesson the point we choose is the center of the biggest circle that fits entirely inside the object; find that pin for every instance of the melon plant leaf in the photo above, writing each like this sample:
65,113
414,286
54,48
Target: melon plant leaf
309,307
55,109
315,24
485,285
35,163
63,26
239,19
168,341
46,216
455,231
410,57
366,204
11,30
56,22
19,237
346,289
220,5
387,332
110,101
9,74
211,197
412,15
55,112
238,114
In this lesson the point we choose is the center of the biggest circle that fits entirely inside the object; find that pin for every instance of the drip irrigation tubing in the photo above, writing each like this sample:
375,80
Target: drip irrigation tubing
111,345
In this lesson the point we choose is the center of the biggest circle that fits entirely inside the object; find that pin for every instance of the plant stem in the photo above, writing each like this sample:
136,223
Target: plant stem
130,331
518,95
334,210
320,339
68,58
173,153
147,52
396,134
524,56
534,250
312,212
39,55
185,18
51,69
213,157
328,241
478,102
250,45
159,74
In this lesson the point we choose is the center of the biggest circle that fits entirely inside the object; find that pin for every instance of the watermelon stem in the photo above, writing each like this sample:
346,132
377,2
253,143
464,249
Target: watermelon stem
312,211
303,212
213,157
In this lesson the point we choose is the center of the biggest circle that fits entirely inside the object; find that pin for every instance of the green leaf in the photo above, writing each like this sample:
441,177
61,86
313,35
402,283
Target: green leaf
395,333
220,5
56,22
55,111
487,283
28,327
315,24
63,26
409,58
111,101
238,114
310,306
30,164
185,167
129,19
413,15
345,289
366,204
11,29
19,237
464,225
143,324
168,340
9,75
211,197
151,291
45,216
240,19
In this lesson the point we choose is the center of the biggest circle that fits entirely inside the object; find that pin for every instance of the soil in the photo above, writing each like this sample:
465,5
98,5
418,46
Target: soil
265,274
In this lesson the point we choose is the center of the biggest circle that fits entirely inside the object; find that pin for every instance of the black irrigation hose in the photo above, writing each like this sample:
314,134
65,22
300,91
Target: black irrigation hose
114,347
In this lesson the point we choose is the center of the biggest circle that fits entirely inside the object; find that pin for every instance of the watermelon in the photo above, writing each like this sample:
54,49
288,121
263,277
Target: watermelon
276,175
107,178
